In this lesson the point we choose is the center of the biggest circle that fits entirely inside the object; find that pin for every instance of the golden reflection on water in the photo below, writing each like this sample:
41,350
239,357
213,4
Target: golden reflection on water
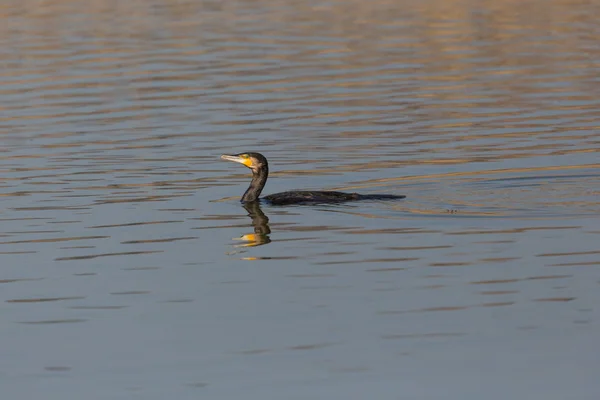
429,84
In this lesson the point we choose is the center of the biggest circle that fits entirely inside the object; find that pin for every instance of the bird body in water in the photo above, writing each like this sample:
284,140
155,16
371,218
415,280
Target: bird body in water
260,171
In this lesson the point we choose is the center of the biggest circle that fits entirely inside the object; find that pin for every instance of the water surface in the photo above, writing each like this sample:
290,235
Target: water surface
128,268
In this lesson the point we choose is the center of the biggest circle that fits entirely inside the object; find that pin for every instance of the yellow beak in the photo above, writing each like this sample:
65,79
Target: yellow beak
245,161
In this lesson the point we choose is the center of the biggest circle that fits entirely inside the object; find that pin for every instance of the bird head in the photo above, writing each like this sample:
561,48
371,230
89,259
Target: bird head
254,161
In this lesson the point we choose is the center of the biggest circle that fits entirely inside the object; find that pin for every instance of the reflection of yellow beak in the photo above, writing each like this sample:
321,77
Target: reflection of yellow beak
245,161
251,237
251,240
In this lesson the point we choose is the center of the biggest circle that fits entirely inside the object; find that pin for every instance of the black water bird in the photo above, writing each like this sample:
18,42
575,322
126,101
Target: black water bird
260,171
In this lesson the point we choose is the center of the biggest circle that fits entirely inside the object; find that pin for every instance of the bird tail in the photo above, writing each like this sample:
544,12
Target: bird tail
381,197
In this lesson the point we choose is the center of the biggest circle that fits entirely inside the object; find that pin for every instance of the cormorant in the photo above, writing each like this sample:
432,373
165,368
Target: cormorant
260,171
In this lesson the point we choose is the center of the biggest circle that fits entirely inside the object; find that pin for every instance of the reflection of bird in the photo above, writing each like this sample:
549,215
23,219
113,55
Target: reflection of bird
260,171
260,222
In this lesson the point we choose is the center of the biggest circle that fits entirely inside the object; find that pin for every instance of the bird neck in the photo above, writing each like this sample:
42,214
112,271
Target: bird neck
259,178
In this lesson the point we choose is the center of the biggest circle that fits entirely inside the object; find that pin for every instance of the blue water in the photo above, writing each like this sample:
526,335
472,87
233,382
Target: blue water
128,267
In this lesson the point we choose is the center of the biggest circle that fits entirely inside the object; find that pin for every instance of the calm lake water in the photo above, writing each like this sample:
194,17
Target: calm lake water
129,269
